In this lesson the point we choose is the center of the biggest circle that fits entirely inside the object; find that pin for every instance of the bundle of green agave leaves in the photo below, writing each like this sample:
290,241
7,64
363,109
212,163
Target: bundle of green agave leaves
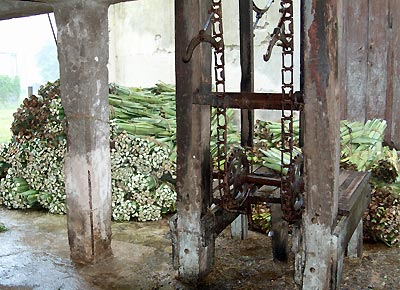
143,170
362,149
143,152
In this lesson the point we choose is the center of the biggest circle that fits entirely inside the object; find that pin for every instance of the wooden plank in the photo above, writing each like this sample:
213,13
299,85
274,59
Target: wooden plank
343,23
250,101
377,60
350,191
354,248
214,222
395,129
390,70
240,227
357,58
347,224
342,234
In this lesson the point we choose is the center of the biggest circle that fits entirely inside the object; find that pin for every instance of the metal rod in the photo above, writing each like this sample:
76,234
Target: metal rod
208,21
52,28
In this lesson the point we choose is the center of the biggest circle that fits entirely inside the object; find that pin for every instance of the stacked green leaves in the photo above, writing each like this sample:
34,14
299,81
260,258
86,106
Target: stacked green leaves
362,149
32,163
361,144
142,153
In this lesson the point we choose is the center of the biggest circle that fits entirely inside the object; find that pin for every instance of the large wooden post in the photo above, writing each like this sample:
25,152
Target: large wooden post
193,259
83,57
321,147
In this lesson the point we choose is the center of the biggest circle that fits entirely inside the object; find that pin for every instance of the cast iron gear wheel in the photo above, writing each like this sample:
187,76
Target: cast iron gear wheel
238,170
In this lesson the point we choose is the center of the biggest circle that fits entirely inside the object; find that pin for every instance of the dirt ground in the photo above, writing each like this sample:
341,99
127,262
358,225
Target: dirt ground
34,254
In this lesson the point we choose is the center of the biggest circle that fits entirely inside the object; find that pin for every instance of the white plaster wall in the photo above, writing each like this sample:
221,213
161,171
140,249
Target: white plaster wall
142,45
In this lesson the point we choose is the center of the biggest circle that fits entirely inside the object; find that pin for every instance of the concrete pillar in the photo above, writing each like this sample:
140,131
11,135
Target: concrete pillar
83,57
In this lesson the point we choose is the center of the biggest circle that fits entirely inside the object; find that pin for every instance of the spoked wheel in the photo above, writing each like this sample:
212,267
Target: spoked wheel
238,169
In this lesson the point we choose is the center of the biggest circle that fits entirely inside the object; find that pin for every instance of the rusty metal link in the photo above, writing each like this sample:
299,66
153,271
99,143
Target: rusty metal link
288,192
219,74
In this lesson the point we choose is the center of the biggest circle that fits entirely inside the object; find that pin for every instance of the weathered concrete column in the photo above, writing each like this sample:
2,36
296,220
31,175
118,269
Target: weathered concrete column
321,145
83,57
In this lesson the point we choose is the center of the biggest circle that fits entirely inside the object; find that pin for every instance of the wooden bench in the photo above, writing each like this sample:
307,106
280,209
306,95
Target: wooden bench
355,196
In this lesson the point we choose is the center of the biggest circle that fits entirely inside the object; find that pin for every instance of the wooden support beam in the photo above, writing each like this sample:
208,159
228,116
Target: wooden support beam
214,222
247,68
321,146
83,58
343,232
355,245
194,260
280,231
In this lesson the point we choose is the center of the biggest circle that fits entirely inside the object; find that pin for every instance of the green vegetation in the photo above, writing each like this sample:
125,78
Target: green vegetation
362,149
10,90
3,228
6,118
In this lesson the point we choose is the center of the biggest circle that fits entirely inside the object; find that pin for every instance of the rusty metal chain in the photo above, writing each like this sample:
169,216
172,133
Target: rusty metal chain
219,74
288,100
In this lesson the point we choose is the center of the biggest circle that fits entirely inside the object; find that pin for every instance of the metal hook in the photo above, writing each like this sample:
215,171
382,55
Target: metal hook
277,34
203,36
260,12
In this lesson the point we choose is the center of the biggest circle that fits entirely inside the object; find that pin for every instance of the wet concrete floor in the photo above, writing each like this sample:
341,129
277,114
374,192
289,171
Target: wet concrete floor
34,254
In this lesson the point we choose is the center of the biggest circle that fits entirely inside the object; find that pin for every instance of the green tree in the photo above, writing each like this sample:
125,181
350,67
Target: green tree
47,62
10,89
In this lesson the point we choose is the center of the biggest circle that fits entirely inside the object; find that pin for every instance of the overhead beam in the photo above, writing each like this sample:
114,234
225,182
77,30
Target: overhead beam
22,8
13,9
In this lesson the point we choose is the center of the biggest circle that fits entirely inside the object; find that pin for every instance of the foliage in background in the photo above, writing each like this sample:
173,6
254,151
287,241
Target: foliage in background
10,89
6,118
3,228
47,62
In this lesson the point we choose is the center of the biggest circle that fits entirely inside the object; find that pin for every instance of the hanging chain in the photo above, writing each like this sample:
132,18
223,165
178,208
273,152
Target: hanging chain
219,71
288,101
